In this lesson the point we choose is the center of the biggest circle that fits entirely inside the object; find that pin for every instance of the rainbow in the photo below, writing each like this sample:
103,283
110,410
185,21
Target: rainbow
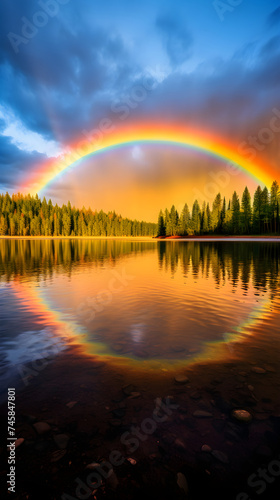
65,332
152,133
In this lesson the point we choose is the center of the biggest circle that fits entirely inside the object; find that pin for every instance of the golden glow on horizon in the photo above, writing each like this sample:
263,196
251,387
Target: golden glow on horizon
151,133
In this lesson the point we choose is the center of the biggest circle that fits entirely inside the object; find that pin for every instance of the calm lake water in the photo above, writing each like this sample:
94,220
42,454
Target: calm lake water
96,335
147,303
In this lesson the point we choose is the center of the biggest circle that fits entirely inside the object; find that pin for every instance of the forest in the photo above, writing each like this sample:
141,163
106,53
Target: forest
29,216
249,215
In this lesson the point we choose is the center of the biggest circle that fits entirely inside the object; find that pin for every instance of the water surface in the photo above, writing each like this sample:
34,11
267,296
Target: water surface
146,303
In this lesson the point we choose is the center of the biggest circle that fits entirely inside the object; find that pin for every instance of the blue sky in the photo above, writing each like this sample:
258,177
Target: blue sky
215,64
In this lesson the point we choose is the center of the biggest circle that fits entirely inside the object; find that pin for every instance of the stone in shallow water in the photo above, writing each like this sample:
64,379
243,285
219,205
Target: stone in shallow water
61,440
242,415
57,455
202,414
41,427
219,455
181,379
195,395
258,369
128,389
134,395
18,442
182,482
71,404
206,448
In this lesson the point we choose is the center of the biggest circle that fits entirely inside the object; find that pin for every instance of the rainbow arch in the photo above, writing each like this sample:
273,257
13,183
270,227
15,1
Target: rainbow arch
152,134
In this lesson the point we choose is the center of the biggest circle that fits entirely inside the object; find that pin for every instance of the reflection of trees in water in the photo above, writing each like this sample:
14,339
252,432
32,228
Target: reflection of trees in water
246,262
39,258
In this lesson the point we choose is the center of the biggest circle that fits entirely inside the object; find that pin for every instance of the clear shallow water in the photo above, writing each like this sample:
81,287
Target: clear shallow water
142,302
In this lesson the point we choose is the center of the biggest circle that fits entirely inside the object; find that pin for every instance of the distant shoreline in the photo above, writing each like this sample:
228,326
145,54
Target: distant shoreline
149,238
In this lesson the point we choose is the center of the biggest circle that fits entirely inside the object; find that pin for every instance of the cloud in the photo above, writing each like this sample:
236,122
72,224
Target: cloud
66,78
274,17
176,39
16,165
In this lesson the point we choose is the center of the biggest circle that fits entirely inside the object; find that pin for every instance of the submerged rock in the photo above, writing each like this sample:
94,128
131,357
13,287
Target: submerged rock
18,442
71,404
221,456
61,440
202,414
41,427
206,448
258,369
242,415
181,379
182,482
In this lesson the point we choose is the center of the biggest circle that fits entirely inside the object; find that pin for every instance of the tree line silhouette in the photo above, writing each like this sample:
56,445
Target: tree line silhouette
236,217
29,216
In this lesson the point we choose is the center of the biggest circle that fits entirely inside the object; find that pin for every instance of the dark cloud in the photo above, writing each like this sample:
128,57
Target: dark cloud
176,39
274,17
66,78
16,165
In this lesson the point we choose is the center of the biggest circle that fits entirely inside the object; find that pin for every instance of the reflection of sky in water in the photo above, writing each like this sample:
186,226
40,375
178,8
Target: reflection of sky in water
137,331
174,304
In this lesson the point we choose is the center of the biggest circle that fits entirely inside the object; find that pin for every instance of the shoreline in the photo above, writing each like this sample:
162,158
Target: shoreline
149,238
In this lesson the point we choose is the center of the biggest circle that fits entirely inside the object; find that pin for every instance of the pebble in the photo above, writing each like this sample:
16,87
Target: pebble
195,395
202,414
206,448
182,482
181,379
219,455
57,455
61,440
93,465
71,404
242,415
179,444
258,369
134,395
128,389
18,442
112,480
131,461
41,427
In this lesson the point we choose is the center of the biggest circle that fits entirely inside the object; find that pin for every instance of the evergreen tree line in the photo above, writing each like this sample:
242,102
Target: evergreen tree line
29,216
259,215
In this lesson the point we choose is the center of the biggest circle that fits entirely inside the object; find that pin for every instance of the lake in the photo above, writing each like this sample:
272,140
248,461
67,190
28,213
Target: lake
194,320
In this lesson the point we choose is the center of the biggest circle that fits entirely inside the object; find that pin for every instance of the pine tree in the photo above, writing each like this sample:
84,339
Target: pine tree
257,209
185,220
235,221
161,231
246,212
274,205
174,220
196,218
216,212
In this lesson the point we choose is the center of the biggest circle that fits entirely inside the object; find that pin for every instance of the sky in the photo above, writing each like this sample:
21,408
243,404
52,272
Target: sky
68,65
